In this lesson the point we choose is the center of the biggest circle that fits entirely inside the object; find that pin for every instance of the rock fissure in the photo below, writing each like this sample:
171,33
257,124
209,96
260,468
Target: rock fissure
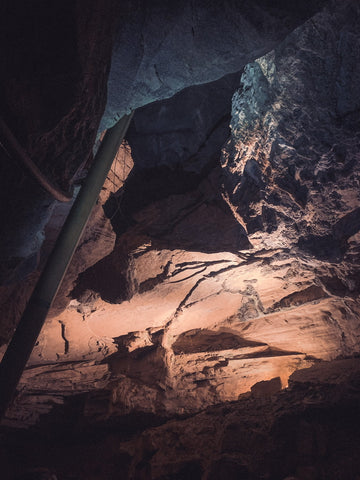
66,341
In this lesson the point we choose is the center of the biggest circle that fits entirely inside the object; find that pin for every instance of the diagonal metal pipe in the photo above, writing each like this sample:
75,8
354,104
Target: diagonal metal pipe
33,318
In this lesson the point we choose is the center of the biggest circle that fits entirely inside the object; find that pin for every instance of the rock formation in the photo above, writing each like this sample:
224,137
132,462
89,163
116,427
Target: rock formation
209,325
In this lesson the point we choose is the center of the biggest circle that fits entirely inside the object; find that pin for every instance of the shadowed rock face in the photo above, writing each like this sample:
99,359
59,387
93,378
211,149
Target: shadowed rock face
307,432
55,61
229,259
54,67
174,145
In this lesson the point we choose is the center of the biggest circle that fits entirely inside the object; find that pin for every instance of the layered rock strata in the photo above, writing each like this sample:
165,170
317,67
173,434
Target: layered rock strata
246,276
308,432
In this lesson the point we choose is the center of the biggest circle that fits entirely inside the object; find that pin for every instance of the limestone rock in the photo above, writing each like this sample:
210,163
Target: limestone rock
162,48
219,334
293,147
244,276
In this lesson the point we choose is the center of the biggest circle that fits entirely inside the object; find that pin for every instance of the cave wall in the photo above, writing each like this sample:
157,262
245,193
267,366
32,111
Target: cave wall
222,257
55,60
163,48
222,281
55,82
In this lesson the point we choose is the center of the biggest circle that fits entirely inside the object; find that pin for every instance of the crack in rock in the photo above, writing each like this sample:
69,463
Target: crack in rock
63,336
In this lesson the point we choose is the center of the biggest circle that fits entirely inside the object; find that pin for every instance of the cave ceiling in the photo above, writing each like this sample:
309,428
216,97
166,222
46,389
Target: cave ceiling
223,254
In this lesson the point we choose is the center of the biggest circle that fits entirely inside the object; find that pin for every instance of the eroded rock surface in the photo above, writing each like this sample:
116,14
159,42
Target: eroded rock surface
308,432
54,67
291,436
292,163
97,240
55,62
224,287
162,48
246,275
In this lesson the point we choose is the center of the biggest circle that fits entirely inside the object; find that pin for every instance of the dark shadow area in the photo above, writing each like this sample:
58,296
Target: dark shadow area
175,143
196,341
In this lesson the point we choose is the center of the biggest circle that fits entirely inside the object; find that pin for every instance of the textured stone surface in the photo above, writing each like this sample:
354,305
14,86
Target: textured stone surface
54,66
224,282
247,439
308,432
162,48
55,60
97,240
292,163
242,277
184,129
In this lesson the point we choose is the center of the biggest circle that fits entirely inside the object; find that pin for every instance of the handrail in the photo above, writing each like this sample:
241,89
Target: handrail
20,153
33,318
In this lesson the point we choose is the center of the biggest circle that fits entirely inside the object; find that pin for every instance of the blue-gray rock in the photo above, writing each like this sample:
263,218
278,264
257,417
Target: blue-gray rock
163,47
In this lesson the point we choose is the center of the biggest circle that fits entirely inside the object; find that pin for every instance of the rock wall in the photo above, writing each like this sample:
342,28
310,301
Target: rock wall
223,264
240,277
55,62
161,48
308,432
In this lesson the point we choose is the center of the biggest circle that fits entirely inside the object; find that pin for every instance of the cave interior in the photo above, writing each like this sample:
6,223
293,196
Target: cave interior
208,325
